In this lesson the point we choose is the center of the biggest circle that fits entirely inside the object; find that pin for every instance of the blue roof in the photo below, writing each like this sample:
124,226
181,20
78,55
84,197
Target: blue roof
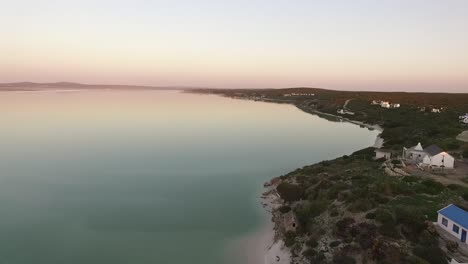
455,214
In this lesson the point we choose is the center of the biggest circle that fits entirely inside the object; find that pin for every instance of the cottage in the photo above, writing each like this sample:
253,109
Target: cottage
454,220
383,154
436,157
432,156
435,110
385,104
464,118
415,153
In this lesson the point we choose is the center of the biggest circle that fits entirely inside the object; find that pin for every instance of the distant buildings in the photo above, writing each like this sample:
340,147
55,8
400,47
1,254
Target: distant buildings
299,94
454,220
464,119
385,104
432,156
435,110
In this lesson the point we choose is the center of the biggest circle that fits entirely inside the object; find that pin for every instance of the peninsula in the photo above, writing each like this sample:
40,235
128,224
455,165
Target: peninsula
377,205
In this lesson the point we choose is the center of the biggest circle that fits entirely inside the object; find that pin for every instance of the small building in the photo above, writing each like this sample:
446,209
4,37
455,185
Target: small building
415,153
385,104
435,110
395,105
375,102
432,156
383,154
437,157
454,220
464,118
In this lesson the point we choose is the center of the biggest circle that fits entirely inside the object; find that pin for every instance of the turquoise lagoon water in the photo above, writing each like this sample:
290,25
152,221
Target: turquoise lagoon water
145,176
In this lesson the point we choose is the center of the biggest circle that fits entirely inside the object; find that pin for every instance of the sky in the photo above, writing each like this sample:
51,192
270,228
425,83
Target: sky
387,45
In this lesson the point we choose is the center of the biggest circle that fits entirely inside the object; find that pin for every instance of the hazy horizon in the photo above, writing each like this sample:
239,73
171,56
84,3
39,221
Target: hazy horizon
342,45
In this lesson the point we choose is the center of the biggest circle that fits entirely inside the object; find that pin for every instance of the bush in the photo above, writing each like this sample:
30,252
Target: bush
389,229
335,244
430,187
384,216
361,205
289,238
309,210
312,242
290,192
465,153
431,254
284,209
370,215
343,227
334,213
341,259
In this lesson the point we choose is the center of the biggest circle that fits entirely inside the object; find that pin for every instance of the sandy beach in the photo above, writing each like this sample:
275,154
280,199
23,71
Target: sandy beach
261,246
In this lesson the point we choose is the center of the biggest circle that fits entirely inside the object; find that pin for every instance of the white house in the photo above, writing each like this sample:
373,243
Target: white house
464,118
454,220
395,105
415,153
435,110
383,154
436,157
432,156
385,104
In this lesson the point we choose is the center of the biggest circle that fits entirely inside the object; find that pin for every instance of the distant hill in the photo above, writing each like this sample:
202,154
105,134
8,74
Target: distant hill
339,97
32,86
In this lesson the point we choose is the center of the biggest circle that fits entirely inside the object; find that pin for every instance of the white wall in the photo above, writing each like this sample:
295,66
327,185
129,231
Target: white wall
437,160
380,155
449,226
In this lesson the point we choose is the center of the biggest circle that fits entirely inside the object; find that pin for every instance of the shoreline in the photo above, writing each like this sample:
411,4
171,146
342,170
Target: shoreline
267,241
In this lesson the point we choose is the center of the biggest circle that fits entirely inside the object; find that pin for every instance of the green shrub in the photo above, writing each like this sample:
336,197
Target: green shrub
389,229
289,238
361,205
335,244
465,153
284,209
312,242
433,255
430,187
384,216
310,209
341,259
290,192
370,215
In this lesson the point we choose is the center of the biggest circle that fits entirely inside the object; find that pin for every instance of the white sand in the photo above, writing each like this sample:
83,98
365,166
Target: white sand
260,247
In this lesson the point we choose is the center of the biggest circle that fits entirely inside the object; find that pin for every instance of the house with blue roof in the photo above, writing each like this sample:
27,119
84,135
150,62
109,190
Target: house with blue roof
454,220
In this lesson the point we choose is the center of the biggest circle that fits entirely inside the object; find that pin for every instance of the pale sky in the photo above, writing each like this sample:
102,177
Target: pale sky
410,45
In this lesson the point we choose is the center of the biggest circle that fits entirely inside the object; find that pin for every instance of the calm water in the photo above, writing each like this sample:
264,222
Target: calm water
145,176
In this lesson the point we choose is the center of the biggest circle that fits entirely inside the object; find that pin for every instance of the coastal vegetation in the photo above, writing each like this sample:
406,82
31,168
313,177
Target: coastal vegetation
348,210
